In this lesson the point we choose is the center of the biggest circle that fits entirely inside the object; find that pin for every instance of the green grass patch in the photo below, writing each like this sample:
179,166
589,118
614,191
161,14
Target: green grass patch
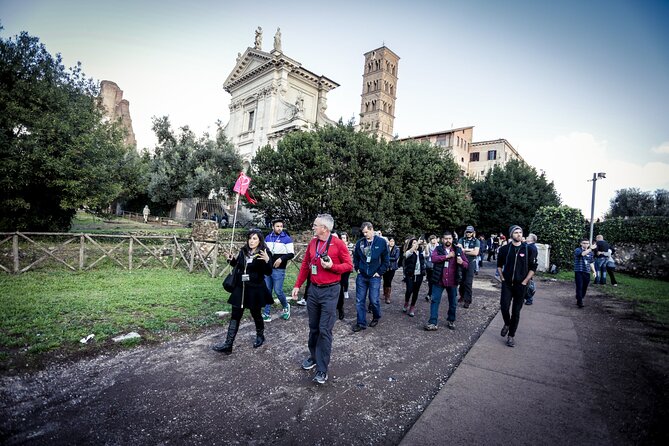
650,296
43,311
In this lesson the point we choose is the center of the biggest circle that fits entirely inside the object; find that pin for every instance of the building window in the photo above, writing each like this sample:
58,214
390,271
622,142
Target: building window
474,156
492,155
482,172
251,117
441,141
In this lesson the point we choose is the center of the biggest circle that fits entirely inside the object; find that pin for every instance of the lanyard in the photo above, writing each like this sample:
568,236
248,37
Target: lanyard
314,260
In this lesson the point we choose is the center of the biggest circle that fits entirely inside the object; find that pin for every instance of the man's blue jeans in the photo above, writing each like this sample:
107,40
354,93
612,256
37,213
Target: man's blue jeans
275,282
363,286
600,270
437,291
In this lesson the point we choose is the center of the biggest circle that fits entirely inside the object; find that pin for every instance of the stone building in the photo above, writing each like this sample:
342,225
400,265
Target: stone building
474,158
484,155
379,92
272,95
115,107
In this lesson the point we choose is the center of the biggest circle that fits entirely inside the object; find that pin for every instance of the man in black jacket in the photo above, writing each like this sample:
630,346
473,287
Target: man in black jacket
516,265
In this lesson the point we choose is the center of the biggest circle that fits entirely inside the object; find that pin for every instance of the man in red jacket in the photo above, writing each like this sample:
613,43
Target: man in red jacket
325,260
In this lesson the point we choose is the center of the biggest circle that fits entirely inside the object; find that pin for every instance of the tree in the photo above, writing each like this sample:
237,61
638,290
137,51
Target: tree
633,202
186,166
357,178
561,227
56,152
511,195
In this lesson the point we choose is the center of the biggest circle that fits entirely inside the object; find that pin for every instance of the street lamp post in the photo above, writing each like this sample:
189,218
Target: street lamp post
595,176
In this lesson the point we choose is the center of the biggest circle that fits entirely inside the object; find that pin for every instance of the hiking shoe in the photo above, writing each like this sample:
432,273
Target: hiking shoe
308,363
266,318
466,305
301,302
357,328
320,377
374,323
430,327
286,312
340,312
450,325
406,308
505,330
346,296
510,342
528,302
427,298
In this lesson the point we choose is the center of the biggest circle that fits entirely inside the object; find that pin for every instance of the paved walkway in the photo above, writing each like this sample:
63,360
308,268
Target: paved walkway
535,393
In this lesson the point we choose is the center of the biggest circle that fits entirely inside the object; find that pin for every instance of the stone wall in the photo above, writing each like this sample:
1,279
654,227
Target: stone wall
649,260
117,108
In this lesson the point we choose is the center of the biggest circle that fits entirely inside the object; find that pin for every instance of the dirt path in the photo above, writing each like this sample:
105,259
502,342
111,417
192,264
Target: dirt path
381,380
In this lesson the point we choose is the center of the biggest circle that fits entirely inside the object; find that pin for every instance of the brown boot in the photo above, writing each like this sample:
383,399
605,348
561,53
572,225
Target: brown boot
386,294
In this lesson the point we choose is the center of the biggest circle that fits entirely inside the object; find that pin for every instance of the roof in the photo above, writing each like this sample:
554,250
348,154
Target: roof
443,132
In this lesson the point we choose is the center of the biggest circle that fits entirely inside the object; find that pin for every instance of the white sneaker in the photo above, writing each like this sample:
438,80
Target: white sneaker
301,302
345,294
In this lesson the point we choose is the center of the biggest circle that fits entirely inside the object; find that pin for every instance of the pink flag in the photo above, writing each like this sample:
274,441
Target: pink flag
242,184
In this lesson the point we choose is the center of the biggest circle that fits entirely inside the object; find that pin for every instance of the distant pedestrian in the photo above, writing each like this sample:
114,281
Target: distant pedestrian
531,286
250,267
601,254
427,253
583,265
393,257
146,212
414,271
611,267
471,247
370,260
325,260
343,289
446,260
516,265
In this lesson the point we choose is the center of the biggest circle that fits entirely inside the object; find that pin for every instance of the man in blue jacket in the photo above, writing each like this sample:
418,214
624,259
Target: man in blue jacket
370,260
281,246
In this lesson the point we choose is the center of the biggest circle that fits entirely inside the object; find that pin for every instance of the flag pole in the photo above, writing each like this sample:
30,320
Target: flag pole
234,222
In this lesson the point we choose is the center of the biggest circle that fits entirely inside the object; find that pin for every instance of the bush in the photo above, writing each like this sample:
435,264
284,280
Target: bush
641,230
561,227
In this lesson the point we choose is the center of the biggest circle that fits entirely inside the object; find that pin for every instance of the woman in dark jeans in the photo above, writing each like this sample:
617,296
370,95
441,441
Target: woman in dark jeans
343,289
394,254
414,271
251,266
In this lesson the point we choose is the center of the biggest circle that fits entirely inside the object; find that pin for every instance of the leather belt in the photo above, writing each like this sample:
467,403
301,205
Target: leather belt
327,285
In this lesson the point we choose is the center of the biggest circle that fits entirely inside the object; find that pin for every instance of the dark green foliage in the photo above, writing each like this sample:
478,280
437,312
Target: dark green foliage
562,228
633,202
186,166
510,195
358,178
640,230
56,154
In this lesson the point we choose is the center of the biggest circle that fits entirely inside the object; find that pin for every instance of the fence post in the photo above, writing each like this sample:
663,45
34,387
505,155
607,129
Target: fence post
82,244
15,252
130,254
214,260
192,255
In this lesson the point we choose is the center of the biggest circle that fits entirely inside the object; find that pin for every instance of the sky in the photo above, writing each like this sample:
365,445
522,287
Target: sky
577,87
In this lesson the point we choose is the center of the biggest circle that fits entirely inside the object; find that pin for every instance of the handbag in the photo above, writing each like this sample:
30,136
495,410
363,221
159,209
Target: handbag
610,263
230,281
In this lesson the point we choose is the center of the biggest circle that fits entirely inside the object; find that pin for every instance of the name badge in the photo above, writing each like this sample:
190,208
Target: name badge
245,277
369,258
314,271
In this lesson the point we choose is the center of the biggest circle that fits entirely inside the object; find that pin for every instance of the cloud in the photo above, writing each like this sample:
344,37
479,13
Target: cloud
662,148
570,161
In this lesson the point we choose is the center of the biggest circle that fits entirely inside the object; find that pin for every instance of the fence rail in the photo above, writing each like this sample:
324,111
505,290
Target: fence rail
24,251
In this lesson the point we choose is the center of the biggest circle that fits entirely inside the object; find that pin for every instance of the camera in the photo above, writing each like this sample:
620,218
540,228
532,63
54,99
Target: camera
325,257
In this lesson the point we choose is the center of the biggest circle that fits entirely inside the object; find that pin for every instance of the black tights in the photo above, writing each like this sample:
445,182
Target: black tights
237,313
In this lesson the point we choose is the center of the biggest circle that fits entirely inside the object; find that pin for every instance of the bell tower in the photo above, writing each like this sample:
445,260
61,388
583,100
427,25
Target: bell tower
379,92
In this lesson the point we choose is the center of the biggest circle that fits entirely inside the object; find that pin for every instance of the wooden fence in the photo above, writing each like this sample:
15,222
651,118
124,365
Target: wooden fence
25,251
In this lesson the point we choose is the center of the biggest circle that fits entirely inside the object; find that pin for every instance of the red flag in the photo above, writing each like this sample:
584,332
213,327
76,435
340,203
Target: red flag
242,187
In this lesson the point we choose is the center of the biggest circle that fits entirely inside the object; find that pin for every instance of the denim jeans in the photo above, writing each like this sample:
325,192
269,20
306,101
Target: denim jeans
600,270
363,286
437,291
275,282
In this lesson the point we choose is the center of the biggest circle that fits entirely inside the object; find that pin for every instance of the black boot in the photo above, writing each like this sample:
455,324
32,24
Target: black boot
226,347
260,338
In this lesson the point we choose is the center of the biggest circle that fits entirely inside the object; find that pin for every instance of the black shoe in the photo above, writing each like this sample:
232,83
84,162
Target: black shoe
505,330
466,305
260,338
374,323
340,312
510,342
320,377
450,325
580,304
357,328
308,363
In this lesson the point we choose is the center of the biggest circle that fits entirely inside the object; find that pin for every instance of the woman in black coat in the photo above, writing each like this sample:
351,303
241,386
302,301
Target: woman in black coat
251,266
414,271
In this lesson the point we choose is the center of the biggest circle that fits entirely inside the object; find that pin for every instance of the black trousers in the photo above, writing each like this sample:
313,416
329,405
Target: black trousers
413,288
512,297
237,313
467,282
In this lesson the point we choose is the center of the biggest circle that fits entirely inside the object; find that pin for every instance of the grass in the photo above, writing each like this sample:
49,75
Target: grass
45,311
650,296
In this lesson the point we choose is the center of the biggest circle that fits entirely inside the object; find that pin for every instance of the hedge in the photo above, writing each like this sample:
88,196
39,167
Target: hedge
640,230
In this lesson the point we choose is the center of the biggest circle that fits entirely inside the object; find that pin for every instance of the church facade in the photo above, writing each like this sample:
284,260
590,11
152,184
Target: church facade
271,95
